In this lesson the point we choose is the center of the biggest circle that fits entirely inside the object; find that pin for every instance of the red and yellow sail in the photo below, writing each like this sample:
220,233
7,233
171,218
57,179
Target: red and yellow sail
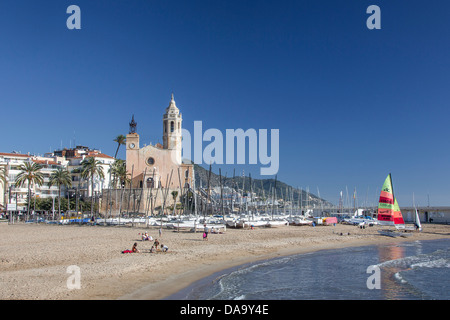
388,209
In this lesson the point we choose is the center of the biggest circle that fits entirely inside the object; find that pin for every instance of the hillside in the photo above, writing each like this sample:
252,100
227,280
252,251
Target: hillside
259,186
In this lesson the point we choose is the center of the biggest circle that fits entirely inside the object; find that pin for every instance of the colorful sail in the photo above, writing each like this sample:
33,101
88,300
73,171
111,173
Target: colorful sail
388,209
398,217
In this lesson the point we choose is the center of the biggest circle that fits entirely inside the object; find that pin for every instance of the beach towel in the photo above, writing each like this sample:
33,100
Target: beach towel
127,251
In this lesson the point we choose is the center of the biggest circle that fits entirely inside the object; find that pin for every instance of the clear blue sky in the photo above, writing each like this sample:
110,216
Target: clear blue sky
351,104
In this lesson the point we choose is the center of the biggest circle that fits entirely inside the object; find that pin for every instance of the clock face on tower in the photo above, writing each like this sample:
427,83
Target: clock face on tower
132,145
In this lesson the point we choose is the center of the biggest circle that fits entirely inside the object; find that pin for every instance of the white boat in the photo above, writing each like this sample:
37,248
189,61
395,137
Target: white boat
299,221
277,223
357,221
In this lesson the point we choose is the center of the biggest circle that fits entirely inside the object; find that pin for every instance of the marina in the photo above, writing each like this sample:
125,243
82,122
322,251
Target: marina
225,150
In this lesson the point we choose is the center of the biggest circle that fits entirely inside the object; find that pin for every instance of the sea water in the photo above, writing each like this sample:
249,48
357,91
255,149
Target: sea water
406,271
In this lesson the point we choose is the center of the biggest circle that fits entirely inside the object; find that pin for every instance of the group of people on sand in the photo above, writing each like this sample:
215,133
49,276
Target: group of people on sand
146,237
154,248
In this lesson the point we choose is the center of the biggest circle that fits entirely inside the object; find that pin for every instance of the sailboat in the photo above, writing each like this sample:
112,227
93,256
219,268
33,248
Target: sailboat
417,223
389,213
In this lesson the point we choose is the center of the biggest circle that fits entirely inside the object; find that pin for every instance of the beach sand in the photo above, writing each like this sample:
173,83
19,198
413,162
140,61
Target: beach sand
34,259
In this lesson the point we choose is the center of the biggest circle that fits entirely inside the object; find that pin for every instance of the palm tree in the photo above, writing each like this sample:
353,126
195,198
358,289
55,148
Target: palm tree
3,179
60,177
115,170
90,169
3,175
174,196
120,139
120,174
30,174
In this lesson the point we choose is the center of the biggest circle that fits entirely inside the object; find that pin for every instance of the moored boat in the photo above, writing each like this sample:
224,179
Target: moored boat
389,213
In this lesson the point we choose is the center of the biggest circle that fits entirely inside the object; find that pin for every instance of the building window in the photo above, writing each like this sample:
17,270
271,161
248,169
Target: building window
172,126
150,183
150,161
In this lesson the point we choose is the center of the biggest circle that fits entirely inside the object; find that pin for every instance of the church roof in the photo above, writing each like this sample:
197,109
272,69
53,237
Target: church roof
172,108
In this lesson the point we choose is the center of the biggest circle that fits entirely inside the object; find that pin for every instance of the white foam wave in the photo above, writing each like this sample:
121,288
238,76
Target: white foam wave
399,277
439,263
437,259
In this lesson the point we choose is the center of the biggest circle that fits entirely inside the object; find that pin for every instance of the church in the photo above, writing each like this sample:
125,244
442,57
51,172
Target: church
154,166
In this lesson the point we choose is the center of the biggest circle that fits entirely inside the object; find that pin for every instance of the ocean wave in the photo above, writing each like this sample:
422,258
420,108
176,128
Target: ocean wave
439,263
229,286
437,259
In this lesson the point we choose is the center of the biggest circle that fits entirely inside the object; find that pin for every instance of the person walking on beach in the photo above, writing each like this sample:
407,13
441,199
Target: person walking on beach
205,233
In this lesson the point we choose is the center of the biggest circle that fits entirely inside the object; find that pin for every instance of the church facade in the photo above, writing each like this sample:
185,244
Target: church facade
159,166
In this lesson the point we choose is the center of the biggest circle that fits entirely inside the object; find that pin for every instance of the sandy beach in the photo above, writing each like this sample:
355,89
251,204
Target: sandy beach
34,259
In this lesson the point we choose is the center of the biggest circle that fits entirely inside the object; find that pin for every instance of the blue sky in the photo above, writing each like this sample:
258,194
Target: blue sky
351,104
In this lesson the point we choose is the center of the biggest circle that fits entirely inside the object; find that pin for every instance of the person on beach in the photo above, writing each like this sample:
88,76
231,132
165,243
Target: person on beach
205,233
152,250
156,243
133,250
164,248
146,237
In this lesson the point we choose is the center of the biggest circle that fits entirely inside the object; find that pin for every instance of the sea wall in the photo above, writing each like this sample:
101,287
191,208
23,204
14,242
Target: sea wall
427,214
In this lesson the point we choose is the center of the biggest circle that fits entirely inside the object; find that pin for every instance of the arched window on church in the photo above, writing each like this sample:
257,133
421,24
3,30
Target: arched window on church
165,126
172,126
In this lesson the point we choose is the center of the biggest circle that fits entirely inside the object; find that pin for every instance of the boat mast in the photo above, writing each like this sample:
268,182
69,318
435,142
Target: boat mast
232,191
251,196
392,186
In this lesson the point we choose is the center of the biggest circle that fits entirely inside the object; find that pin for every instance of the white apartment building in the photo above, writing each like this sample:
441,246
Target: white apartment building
67,158
83,186
17,196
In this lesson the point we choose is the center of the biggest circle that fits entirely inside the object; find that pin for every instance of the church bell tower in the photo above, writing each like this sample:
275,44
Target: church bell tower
132,136
172,127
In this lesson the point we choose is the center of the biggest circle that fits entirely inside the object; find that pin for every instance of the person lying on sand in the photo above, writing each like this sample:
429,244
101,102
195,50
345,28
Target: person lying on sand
133,250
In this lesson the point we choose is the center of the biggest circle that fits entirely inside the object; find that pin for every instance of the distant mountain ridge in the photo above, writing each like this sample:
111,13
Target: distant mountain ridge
259,186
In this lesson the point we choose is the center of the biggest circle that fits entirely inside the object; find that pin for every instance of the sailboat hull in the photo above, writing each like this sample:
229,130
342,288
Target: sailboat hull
394,234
